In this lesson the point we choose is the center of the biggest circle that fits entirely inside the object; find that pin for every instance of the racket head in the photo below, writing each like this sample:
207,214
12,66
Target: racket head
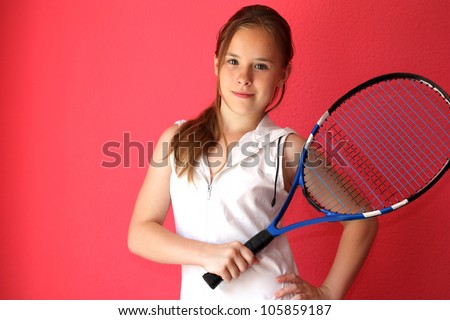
379,147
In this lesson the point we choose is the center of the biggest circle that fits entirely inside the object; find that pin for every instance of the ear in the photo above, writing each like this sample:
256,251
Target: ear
285,75
216,65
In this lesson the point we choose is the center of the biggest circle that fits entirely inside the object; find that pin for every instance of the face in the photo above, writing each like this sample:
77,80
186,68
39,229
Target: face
251,72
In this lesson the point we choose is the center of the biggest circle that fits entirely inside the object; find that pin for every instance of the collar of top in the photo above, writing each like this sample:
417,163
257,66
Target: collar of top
250,143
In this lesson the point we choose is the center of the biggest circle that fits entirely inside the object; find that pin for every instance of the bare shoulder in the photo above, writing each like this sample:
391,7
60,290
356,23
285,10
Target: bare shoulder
293,146
291,156
162,147
168,134
154,197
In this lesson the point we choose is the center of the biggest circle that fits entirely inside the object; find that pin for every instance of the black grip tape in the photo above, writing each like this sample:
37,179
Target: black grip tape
212,279
255,244
259,241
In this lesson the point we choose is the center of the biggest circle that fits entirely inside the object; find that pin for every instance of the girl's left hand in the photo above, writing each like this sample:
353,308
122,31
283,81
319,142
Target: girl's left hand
300,289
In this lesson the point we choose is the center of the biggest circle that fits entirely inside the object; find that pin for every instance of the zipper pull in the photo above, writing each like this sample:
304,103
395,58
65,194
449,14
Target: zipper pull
209,191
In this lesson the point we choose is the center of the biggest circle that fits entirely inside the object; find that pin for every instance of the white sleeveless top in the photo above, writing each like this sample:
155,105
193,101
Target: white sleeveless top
234,206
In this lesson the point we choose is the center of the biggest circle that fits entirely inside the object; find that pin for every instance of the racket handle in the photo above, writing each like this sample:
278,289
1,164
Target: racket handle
255,244
259,241
212,279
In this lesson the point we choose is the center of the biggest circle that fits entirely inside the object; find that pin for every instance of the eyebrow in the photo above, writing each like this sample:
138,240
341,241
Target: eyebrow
230,54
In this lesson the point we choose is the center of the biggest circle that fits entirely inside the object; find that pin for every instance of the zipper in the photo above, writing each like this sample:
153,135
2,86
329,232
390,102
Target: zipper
210,181
209,191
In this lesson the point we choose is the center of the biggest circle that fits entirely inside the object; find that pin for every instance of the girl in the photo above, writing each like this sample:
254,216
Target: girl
225,184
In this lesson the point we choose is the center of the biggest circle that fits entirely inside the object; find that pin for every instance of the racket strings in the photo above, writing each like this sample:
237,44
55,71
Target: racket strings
388,147
357,159
408,113
321,176
350,186
370,179
380,146
410,138
437,98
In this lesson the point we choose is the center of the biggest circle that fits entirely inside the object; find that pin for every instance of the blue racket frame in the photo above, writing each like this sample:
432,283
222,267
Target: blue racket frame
299,181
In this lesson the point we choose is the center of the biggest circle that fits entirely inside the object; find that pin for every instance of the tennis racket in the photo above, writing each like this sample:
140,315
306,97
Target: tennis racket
376,149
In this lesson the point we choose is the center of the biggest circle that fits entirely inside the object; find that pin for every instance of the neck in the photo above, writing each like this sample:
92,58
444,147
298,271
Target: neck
234,125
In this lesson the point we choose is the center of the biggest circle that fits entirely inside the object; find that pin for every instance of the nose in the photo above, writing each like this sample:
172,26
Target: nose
245,76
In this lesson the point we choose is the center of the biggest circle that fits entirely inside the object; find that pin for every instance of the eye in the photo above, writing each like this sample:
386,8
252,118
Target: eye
233,62
261,66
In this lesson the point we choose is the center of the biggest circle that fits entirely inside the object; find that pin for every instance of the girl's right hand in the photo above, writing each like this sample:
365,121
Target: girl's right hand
228,260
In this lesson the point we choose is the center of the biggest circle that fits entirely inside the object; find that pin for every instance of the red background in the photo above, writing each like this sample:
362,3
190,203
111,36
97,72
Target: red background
78,74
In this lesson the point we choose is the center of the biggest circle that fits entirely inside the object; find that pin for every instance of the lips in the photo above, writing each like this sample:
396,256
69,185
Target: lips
243,95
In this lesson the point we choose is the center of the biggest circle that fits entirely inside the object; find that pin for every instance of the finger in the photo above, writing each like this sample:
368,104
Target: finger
234,270
290,277
241,263
233,260
225,275
299,296
292,288
248,255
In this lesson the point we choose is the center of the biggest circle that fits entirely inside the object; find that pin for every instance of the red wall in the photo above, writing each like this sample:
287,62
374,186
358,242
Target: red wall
78,76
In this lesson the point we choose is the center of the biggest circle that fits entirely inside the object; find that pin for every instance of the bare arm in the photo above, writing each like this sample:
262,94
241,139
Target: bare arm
149,239
354,246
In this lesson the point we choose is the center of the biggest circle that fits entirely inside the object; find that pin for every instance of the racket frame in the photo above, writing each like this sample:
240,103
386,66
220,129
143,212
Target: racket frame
331,216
